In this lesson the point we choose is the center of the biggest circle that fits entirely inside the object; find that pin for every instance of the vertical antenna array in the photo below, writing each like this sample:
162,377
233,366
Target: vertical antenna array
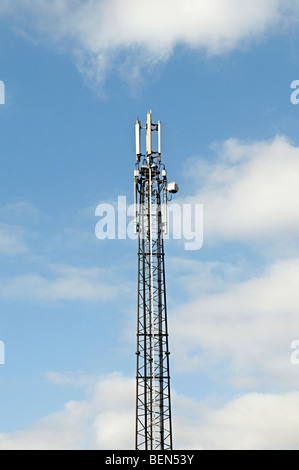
153,403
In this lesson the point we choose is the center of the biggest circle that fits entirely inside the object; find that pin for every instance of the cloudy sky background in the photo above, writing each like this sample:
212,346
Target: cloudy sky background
218,75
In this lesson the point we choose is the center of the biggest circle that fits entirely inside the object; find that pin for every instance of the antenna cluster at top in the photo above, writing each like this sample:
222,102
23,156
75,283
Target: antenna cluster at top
150,127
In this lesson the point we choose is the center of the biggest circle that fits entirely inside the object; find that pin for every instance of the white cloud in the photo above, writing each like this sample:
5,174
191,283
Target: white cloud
202,276
134,34
12,240
66,429
248,422
249,191
35,278
112,399
67,379
244,332
240,320
105,420
20,209
114,426
68,283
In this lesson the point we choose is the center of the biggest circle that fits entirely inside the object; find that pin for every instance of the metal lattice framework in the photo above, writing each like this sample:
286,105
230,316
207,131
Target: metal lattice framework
153,404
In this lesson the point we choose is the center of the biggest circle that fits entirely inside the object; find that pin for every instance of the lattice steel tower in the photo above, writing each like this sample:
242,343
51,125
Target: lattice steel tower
153,404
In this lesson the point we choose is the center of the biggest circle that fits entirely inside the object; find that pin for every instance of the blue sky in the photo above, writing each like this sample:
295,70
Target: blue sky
218,75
